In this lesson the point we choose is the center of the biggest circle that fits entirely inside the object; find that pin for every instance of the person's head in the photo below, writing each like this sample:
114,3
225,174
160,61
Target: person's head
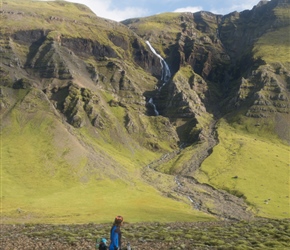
118,220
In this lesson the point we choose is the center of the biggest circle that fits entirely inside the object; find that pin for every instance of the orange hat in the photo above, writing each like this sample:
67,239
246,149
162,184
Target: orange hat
119,219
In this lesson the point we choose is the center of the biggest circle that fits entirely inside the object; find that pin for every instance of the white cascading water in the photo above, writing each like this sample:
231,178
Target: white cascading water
154,107
166,74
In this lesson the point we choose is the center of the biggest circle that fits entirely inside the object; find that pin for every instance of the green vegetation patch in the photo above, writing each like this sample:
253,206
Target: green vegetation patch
274,46
258,234
49,177
252,167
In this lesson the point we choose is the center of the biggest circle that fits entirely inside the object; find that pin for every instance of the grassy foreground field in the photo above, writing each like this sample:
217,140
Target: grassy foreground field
259,234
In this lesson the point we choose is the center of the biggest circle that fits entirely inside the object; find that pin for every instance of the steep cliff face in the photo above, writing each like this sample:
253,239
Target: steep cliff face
260,73
68,68
226,73
92,87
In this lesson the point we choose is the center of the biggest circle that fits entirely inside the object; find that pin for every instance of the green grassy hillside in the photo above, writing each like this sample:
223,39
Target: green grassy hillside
273,46
250,160
30,15
49,175
253,167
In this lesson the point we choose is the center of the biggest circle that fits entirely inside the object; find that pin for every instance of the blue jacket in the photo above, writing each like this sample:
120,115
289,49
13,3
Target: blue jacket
115,237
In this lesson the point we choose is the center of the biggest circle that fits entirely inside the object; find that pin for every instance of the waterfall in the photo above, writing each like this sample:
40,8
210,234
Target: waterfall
166,74
191,200
154,107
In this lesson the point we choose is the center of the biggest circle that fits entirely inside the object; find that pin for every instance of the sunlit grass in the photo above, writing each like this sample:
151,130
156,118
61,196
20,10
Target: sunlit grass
252,166
71,19
274,46
49,177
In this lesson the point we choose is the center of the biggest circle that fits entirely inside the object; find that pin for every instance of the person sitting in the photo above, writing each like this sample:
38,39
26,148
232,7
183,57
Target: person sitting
103,244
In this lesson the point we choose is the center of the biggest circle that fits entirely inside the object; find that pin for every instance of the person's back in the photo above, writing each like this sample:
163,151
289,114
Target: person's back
115,234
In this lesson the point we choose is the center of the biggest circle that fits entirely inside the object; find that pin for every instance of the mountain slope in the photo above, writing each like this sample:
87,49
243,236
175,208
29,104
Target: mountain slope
80,138
74,130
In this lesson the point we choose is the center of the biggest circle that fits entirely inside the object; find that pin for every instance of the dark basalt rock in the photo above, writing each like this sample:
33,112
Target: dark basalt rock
85,47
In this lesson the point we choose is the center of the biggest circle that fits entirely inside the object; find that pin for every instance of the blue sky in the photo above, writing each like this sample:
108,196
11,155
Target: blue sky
123,9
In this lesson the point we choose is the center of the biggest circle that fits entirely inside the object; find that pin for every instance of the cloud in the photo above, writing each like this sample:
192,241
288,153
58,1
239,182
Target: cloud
128,12
105,9
235,6
189,9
